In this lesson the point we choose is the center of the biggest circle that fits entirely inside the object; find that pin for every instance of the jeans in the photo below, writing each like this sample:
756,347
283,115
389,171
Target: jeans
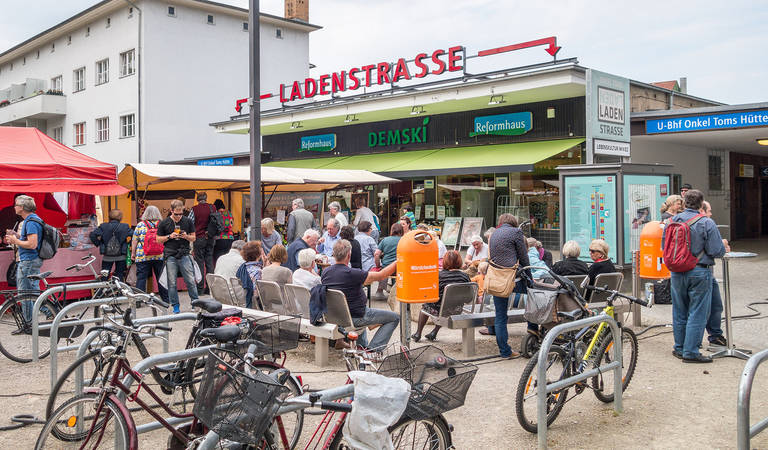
715,313
23,269
120,268
173,266
691,303
501,304
388,321
204,257
143,271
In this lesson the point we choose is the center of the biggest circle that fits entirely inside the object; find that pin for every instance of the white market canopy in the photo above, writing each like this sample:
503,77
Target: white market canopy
170,177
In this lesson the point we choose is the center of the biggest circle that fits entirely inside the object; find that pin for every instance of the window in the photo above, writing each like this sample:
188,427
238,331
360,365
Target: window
102,71
102,129
127,126
716,169
278,33
69,39
56,83
245,26
79,134
210,20
78,79
58,134
127,63
172,11
109,22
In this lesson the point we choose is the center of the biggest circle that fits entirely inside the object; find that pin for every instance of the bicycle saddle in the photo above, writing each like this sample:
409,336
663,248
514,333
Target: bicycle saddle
212,306
571,315
40,276
227,333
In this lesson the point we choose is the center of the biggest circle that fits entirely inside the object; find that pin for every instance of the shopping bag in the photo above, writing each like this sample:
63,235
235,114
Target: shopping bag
130,279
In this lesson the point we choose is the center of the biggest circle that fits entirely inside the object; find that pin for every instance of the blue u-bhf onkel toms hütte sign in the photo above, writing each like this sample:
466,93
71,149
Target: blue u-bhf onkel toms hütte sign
512,124
708,122
318,143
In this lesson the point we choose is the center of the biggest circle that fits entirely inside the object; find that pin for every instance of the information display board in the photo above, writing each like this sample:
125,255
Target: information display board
643,197
451,230
590,203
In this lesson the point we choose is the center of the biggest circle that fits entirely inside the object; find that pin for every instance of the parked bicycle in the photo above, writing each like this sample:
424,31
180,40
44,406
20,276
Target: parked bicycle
573,353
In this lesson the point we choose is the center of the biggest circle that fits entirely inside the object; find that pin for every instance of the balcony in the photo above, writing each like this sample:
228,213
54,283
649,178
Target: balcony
36,107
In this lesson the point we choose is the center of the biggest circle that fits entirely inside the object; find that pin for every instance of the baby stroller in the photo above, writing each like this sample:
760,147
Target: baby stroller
544,301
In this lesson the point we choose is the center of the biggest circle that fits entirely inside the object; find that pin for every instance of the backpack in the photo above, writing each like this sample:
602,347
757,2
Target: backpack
113,246
215,223
151,246
48,243
677,254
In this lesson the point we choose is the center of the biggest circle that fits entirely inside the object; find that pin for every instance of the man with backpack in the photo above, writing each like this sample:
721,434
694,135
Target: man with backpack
208,224
691,243
28,241
112,240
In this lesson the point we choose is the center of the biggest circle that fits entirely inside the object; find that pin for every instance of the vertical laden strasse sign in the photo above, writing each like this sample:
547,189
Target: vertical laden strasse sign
512,124
319,143
608,114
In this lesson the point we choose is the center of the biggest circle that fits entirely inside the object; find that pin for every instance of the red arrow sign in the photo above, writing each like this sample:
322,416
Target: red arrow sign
552,49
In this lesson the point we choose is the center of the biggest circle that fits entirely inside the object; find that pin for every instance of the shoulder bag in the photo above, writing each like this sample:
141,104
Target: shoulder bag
500,280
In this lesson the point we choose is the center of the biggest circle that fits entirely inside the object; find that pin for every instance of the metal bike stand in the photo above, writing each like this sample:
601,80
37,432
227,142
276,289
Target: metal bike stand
743,431
541,370
731,349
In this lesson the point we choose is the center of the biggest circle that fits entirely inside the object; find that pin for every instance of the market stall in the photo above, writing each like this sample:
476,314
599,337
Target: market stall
64,184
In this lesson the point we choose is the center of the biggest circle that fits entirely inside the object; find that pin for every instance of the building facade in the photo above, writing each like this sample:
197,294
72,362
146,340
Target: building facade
139,82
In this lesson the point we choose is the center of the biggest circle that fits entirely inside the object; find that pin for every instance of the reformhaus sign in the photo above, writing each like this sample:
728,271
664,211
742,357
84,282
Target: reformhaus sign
513,124
708,122
319,143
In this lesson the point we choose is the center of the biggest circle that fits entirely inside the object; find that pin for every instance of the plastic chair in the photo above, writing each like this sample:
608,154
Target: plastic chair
577,280
455,297
338,311
300,296
271,296
610,281
238,292
221,291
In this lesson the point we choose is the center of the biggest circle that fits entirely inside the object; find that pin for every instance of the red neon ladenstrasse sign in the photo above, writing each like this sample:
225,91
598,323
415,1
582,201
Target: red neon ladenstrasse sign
436,63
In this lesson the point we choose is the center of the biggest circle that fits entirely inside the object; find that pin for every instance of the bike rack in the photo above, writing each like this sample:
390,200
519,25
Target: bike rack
541,370
138,322
744,432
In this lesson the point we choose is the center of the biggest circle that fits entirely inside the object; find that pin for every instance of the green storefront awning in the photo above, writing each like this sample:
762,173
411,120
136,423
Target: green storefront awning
445,161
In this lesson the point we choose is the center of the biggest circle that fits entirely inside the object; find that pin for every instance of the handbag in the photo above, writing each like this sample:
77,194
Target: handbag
500,280
130,279
10,275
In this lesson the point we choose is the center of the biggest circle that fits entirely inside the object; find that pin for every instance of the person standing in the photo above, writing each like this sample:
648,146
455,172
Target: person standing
223,242
148,256
367,245
692,290
329,239
335,210
672,206
408,212
203,243
299,221
269,236
112,239
714,322
176,233
27,240
506,247
364,214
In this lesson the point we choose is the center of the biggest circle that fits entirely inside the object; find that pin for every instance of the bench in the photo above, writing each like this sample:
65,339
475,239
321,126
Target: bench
322,333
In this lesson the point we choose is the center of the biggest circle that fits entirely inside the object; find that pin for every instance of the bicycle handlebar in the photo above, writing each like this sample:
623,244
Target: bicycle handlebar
618,294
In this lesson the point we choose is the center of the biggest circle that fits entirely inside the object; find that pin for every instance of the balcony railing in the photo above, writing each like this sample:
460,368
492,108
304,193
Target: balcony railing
45,105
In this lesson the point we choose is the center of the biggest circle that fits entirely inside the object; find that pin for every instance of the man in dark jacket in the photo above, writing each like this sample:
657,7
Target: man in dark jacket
203,244
112,239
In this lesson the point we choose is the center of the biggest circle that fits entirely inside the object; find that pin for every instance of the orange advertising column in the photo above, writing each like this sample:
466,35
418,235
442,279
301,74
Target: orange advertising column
417,273
651,263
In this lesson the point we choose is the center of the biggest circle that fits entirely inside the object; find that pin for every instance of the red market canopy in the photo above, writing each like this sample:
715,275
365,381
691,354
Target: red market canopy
30,161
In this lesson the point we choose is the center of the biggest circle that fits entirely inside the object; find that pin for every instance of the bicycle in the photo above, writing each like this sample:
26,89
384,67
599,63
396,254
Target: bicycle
15,329
573,353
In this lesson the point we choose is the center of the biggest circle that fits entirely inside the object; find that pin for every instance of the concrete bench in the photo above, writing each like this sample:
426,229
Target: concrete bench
322,333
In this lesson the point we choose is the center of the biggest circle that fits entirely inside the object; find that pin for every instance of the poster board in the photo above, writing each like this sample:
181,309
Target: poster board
451,231
590,204
472,226
643,197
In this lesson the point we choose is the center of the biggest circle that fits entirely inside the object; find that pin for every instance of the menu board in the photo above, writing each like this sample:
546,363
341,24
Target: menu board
590,211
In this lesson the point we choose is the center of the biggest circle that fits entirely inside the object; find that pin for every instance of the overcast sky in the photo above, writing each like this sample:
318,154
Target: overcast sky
719,46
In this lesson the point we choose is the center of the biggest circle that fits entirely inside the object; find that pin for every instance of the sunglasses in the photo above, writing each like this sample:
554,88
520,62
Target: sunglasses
595,251
177,214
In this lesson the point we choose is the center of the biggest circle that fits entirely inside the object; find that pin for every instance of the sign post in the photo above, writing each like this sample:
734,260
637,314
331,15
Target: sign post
607,116
255,132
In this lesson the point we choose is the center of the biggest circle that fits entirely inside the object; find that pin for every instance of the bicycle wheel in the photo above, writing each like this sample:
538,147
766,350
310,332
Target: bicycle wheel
16,333
526,399
94,369
410,434
603,383
76,425
291,423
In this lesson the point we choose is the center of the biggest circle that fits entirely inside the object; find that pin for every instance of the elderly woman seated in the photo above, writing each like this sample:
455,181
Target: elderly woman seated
570,264
305,275
540,273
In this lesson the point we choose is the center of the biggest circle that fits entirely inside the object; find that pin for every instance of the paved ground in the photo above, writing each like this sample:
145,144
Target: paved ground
668,404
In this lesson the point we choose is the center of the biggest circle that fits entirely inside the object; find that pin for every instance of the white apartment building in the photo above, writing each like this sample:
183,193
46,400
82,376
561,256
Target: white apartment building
139,81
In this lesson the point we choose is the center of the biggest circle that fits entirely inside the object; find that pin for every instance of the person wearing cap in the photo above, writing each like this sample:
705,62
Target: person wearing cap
598,251
477,251
685,188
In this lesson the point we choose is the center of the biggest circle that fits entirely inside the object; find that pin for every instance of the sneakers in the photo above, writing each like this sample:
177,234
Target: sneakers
719,340
176,308
18,331
677,354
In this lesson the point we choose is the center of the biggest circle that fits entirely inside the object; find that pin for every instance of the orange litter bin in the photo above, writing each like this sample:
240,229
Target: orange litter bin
417,273
651,262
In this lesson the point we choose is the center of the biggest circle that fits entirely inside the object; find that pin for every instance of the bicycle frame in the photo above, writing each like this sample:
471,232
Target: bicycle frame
609,311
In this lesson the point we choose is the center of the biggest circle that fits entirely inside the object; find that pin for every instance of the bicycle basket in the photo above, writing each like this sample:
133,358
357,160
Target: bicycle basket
273,334
438,383
237,406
